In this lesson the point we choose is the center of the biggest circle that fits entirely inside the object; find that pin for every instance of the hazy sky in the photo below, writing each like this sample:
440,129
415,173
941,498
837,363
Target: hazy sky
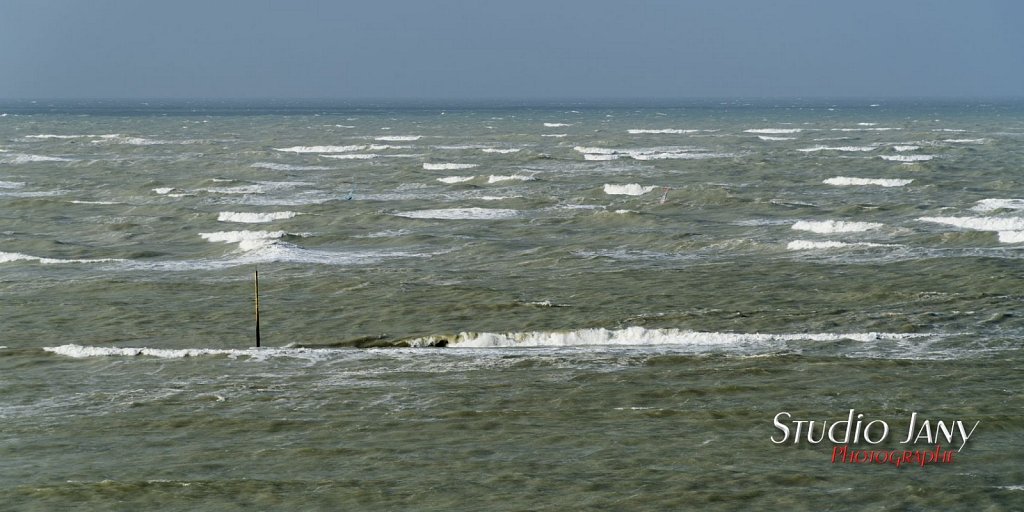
521,49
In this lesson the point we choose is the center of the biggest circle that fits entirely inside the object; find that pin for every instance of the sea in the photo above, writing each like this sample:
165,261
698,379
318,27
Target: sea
690,305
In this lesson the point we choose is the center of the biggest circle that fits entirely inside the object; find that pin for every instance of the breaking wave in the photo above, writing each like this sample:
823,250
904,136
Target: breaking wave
835,226
843,181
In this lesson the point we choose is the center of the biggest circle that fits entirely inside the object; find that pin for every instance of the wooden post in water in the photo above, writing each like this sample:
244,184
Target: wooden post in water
257,291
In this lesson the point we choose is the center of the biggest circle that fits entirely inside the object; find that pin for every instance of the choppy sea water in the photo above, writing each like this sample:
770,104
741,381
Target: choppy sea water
629,294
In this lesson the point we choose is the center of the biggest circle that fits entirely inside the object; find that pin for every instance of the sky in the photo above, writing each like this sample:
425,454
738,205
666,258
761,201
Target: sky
511,49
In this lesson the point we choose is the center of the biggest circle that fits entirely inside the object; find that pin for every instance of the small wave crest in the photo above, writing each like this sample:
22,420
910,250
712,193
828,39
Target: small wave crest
630,189
455,179
321,149
988,205
639,336
254,218
843,181
773,131
446,167
462,214
10,257
835,226
906,158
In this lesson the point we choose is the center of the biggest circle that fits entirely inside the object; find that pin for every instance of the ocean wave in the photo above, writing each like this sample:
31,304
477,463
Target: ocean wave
643,154
286,167
10,257
660,131
398,138
772,131
11,184
81,352
596,157
261,187
21,158
511,177
770,138
1011,237
988,205
964,141
45,136
838,148
455,179
905,147
502,151
845,181
979,223
322,149
556,125
630,189
864,129
906,158
116,138
254,218
353,156
462,214
835,226
808,245
447,167
639,336
234,237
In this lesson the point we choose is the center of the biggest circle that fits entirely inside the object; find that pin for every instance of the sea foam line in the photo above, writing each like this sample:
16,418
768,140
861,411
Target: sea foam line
639,336
842,181
254,218
835,226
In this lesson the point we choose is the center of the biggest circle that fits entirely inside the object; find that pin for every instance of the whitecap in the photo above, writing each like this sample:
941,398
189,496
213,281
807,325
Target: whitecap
286,167
905,147
838,148
770,138
965,141
234,237
845,181
771,131
808,245
988,205
254,218
353,156
321,149
555,135
631,189
660,131
511,177
9,257
1011,237
835,226
462,214
20,158
11,184
979,223
398,138
163,190
906,158
447,167
556,125
639,336
503,151
455,179
600,157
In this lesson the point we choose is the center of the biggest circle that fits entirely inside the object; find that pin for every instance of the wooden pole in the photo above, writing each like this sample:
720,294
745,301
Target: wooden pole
257,291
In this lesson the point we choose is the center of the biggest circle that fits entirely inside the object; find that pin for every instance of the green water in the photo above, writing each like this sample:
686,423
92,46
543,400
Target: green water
606,351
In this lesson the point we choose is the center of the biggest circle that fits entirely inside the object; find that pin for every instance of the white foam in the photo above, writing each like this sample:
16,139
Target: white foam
988,205
834,226
353,156
261,187
94,202
511,177
905,147
595,150
842,181
398,138
455,179
321,149
11,184
462,214
1011,237
234,237
631,189
163,190
770,138
51,136
906,158
447,167
770,131
501,151
980,223
638,131
556,125
21,158
643,154
808,245
8,257
864,129
286,167
600,157
965,141
81,352
838,148
135,141
254,218
639,336
555,135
